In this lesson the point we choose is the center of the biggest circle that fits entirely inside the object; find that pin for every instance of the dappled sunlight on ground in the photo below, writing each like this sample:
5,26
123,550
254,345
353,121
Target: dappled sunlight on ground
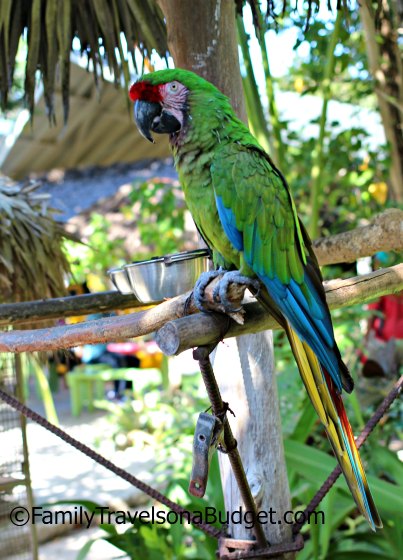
68,547
59,471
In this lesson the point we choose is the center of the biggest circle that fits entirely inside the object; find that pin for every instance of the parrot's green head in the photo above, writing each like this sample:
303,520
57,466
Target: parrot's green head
164,100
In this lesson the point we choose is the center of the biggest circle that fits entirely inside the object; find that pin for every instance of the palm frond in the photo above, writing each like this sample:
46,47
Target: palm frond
107,30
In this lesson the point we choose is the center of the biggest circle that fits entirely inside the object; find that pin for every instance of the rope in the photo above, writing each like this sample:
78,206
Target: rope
134,481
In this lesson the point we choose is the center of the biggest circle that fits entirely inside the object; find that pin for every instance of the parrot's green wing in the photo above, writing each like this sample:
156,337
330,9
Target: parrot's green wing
259,218
248,184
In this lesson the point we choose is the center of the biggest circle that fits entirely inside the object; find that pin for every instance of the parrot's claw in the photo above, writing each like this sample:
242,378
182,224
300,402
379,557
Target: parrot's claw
198,292
233,277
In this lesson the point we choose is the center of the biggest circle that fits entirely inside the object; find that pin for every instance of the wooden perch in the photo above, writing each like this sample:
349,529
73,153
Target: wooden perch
383,233
70,306
203,328
188,332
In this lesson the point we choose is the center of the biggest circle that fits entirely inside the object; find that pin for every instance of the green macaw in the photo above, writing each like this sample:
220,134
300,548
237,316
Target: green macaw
244,210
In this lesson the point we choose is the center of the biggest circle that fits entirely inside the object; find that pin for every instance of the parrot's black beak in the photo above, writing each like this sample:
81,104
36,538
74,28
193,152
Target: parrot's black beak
151,117
144,114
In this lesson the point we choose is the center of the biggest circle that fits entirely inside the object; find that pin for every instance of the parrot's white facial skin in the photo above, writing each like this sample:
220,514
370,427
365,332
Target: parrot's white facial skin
173,99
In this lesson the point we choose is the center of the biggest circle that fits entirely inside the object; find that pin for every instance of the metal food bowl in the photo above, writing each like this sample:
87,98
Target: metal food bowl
161,277
120,280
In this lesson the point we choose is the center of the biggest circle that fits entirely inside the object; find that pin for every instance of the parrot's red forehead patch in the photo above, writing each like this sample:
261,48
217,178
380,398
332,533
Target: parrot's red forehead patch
145,91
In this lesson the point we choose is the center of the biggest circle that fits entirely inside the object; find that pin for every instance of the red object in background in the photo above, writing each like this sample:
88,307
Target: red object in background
390,325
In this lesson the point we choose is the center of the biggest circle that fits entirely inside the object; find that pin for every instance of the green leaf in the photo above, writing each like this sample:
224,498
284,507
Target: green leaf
388,462
361,555
393,532
325,531
85,549
316,466
343,506
306,421
45,392
109,528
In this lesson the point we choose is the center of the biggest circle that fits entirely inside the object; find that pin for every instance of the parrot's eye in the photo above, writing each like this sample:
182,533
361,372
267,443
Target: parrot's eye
173,87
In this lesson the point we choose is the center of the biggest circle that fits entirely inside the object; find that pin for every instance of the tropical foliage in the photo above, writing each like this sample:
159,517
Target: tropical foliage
337,175
160,224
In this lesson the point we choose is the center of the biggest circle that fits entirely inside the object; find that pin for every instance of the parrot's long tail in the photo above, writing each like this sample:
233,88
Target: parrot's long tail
329,406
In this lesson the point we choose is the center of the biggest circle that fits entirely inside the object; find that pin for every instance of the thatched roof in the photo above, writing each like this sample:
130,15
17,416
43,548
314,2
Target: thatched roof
32,264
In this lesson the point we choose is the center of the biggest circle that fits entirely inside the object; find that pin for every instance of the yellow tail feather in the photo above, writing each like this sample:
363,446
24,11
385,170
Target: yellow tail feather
330,409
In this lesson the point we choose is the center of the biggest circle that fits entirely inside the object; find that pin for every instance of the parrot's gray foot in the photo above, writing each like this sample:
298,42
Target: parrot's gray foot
198,292
234,277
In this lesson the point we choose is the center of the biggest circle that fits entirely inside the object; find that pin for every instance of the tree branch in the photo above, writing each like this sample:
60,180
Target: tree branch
383,233
202,328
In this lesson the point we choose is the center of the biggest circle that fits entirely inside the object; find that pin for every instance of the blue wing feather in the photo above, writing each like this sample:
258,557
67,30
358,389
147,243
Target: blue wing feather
308,318
228,223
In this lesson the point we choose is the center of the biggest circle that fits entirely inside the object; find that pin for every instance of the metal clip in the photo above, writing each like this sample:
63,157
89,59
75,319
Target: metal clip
207,436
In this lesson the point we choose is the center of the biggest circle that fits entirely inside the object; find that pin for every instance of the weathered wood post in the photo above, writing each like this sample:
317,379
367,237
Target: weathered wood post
202,37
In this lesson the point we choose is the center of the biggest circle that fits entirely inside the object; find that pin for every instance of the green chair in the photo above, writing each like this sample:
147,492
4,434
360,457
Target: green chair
87,383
